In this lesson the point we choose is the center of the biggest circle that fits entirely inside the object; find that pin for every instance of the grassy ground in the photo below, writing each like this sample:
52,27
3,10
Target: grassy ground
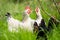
16,9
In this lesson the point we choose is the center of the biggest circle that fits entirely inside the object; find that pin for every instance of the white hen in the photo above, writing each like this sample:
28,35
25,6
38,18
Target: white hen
27,23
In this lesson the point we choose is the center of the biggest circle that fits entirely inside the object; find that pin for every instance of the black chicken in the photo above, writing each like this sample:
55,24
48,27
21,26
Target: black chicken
42,29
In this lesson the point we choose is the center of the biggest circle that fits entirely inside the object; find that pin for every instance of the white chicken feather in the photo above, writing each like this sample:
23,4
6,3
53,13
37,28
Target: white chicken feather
39,17
13,24
27,21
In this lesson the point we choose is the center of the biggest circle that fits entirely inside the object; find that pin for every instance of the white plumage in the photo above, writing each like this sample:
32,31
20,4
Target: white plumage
26,24
27,21
13,24
39,17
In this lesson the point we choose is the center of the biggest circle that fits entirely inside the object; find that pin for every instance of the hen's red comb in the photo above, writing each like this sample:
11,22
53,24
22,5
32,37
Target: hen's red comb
28,8
36,9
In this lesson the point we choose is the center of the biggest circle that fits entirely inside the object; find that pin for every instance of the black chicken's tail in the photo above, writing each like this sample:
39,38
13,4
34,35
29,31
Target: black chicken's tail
51,22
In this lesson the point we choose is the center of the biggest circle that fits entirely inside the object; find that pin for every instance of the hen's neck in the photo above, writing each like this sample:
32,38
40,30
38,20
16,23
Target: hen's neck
39,15
26,18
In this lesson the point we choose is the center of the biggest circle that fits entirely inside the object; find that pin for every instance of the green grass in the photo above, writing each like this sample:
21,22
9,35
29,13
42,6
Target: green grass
16,10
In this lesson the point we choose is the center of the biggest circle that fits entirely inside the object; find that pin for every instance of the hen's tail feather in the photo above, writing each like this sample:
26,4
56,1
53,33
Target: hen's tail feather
51,22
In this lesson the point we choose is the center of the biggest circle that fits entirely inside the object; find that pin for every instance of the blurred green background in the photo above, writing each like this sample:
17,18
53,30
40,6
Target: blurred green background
17,7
